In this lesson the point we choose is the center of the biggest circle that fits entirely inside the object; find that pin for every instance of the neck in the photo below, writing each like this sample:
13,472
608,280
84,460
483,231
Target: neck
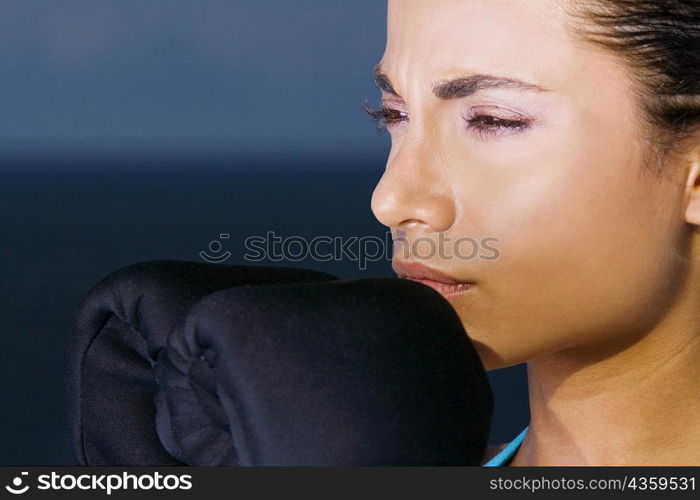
637,405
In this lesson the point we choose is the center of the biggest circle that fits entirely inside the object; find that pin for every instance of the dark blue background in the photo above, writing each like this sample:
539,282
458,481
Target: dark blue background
139,130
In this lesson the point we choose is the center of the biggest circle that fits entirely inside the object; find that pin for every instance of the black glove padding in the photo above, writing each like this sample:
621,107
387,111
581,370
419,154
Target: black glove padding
341,373
122,323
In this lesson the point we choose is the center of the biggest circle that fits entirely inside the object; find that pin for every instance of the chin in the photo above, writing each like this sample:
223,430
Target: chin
491,359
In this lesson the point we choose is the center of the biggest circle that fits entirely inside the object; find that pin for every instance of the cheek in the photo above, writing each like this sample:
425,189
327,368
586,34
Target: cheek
586,247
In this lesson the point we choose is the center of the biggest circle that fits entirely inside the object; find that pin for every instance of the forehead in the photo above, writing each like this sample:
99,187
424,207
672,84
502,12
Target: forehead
524,39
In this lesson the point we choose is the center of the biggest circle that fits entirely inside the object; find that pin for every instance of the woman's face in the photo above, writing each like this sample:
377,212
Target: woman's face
588,243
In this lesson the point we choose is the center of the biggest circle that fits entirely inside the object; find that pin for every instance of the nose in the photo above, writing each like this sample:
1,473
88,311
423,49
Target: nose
413,191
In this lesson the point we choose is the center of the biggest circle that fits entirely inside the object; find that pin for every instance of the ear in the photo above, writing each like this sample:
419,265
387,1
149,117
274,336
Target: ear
692,187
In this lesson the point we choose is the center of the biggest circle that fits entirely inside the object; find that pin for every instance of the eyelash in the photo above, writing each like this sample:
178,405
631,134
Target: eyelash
386,117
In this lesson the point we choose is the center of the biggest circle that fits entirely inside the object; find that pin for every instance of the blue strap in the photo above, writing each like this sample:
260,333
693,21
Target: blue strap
506,453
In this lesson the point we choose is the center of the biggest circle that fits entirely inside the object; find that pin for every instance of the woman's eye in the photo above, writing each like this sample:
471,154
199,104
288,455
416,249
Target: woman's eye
384,116
488,125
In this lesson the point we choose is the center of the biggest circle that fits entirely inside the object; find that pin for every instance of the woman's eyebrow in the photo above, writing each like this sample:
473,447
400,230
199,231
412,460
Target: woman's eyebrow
460,87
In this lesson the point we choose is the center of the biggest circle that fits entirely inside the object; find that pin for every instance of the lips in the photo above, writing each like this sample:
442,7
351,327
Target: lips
441,282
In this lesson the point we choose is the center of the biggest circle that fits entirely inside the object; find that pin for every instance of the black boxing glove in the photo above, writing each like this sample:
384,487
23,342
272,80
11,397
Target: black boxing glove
339,373
121,325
